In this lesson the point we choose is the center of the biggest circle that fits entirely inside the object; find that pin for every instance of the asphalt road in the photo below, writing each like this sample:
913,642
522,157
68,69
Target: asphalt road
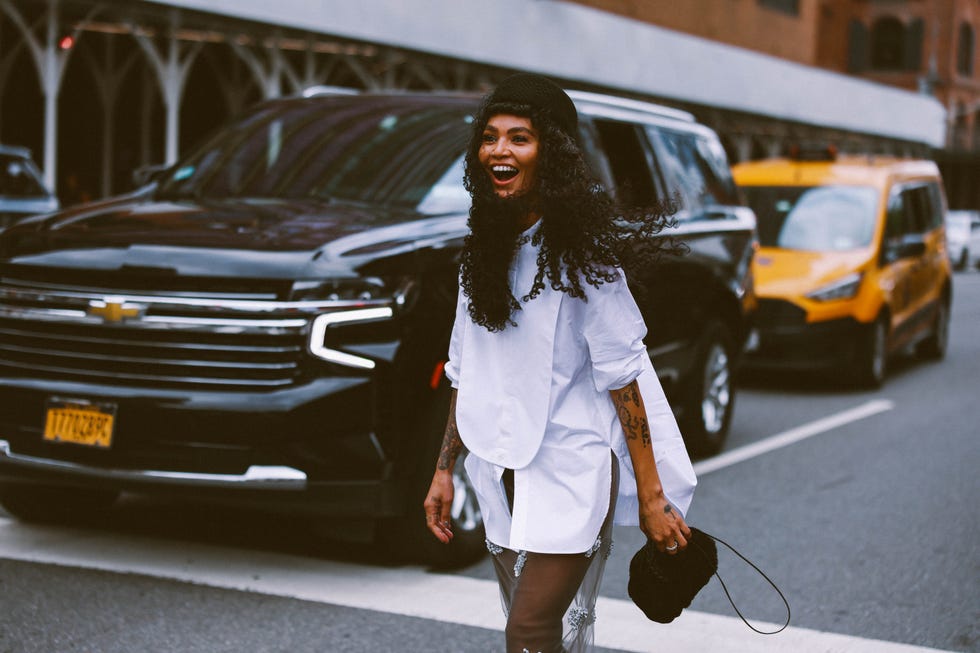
869,527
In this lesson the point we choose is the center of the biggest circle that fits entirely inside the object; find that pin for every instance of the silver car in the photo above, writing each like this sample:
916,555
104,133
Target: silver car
963,238
22,192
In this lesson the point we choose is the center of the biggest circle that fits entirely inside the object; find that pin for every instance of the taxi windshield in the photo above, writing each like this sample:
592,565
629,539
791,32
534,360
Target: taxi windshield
815,218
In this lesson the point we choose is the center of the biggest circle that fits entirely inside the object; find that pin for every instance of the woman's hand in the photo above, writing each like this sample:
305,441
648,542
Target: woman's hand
661,522
438,505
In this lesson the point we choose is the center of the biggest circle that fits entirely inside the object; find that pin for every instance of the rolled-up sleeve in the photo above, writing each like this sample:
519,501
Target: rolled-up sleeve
614,331
456,340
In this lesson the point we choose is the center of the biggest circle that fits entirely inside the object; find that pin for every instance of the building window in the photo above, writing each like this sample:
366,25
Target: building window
788,6
964,51
888,44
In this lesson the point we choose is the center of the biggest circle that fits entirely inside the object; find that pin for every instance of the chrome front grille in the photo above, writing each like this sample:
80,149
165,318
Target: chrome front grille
155,340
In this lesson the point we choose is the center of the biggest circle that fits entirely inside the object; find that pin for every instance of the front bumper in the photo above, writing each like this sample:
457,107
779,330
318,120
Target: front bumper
312,448
812,346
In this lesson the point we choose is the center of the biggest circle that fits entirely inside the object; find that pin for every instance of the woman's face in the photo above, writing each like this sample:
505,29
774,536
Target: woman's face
509,154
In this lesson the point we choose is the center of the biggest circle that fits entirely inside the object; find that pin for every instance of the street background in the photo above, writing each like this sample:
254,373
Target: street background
868,528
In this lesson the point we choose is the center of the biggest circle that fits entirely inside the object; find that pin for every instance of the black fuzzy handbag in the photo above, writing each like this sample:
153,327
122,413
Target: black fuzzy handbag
662,585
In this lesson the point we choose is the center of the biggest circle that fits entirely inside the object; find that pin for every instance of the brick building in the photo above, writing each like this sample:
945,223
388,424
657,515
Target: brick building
928,46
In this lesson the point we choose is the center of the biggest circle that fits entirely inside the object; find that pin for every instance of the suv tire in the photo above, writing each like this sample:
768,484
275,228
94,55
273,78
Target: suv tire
408,536
707,409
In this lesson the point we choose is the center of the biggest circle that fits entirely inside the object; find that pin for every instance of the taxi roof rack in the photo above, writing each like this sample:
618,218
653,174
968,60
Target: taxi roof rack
812,151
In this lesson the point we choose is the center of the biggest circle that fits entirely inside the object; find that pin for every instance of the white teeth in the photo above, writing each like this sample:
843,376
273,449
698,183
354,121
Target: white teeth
504,169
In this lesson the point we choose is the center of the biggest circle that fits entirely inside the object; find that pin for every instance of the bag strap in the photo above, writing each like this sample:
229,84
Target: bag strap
761,573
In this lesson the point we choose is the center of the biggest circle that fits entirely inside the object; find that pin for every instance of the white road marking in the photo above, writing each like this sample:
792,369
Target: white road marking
792,436
409,591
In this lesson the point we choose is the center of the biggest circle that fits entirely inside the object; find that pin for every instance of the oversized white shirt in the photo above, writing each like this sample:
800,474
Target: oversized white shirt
535,398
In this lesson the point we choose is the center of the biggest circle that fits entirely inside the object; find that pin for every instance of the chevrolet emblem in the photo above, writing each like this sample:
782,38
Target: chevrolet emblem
114,310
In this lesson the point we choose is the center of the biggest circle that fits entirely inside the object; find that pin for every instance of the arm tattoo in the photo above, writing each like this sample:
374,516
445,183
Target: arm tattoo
452,445
627,403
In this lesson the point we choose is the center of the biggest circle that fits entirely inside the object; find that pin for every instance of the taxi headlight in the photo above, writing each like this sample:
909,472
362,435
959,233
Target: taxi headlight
843,288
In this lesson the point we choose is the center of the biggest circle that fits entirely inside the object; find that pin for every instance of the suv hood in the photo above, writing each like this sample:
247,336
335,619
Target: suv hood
240,237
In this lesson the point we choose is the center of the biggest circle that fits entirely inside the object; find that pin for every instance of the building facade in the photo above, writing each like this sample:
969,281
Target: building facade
926,46
97,88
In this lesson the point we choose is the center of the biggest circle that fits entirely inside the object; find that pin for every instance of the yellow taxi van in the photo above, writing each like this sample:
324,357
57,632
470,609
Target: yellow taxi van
852,263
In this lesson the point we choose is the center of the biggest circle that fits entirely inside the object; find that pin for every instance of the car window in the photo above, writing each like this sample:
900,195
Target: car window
936,205
18,178
815,218
700,170
381,151
897,223
919,208
629,163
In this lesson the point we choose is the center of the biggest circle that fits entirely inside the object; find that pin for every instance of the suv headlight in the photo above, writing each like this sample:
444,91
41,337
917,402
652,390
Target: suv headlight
843,288
321,323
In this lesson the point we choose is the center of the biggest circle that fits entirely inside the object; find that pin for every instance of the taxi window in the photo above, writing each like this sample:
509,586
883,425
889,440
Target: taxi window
919,208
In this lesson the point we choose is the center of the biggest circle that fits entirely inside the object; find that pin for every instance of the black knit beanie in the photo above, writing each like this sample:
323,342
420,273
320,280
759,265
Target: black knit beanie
539,92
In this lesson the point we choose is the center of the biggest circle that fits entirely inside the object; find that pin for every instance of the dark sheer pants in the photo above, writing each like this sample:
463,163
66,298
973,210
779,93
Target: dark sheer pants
542,592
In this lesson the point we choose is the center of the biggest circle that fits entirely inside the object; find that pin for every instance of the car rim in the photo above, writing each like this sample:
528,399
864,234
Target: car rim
942,327
878,351
466,510
717,392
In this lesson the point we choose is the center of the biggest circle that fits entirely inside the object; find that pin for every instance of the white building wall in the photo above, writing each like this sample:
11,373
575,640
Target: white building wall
574,42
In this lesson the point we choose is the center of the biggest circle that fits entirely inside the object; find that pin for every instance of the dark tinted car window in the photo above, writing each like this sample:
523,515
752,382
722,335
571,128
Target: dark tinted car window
18,178
628,162
817,218
918,207
377,150
701,171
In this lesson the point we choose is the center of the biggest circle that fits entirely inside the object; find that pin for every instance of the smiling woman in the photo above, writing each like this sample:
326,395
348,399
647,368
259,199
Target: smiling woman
546,352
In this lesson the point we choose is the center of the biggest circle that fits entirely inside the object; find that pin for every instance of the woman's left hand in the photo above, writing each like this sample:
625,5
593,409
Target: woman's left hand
663,524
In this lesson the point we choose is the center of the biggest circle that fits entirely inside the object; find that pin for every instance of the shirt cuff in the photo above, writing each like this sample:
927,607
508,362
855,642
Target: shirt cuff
452,373
618,373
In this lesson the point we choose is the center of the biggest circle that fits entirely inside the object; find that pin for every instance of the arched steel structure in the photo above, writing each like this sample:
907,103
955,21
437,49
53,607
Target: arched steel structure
240,61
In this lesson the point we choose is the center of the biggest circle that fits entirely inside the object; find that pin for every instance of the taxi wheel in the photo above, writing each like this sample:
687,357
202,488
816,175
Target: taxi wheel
54,504
935,345
872,356
407,537
710,401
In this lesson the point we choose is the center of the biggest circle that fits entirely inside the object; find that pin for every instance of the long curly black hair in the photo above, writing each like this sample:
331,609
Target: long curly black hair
584,234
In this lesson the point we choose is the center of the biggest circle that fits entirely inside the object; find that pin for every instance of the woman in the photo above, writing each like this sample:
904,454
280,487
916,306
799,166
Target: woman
554,396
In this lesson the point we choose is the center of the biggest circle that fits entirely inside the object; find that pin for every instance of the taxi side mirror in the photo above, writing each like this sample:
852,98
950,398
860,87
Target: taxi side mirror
910,246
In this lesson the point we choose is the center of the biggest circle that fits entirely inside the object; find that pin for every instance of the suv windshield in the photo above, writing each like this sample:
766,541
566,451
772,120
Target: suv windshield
19,178
817,218
404,152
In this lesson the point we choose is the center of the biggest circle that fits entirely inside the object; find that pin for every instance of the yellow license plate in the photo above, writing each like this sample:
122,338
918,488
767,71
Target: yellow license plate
80,423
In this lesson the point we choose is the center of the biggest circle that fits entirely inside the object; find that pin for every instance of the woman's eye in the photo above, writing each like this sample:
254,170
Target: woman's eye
520,139
488,138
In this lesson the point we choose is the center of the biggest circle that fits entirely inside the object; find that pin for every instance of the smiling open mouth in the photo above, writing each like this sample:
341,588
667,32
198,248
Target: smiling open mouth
503,173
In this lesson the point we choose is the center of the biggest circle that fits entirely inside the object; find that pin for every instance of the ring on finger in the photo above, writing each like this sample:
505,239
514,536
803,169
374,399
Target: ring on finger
672,547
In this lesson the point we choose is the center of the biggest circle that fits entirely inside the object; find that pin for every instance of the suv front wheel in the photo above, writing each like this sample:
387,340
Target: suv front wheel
707,409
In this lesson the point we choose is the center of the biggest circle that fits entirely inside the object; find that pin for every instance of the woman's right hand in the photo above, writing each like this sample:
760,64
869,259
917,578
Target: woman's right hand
438,505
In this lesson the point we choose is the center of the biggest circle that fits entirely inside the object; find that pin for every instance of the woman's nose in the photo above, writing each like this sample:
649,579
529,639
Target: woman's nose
500,148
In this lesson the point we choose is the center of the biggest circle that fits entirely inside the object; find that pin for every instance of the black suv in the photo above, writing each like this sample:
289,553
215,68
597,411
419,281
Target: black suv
265,323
